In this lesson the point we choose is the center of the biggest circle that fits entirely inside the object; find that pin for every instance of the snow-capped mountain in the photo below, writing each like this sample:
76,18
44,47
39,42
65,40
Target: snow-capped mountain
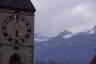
40,37
92,31
67,47
65,32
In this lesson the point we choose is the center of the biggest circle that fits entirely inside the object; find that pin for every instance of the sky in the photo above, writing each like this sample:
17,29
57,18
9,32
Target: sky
54,16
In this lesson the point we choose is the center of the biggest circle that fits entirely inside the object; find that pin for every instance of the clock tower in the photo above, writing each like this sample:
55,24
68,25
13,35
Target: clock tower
16,32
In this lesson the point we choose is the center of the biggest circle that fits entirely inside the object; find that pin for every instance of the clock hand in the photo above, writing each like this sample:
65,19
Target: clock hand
18,33
17,30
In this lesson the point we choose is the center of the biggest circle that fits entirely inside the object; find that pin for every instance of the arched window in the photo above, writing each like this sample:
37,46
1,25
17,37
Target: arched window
15,59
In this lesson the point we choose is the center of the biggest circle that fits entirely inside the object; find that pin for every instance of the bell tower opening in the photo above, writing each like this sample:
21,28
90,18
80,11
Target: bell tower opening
15,59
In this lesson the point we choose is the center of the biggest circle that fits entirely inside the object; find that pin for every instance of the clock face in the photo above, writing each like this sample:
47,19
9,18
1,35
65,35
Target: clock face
16,29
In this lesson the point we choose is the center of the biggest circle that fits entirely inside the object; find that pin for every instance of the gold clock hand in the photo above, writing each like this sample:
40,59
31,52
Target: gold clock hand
17,28
18,33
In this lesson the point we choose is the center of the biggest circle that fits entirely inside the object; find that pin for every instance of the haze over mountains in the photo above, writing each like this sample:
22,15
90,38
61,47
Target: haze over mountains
67,47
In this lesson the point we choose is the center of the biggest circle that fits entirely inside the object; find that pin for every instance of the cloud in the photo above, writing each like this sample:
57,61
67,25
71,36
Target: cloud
54,16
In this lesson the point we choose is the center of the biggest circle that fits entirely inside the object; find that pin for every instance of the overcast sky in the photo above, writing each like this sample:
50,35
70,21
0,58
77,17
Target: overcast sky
54,16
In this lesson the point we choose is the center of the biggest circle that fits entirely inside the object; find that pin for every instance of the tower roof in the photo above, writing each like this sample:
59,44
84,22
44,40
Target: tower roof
24,5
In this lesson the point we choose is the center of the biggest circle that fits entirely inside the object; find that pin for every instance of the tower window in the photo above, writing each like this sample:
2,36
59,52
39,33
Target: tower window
15,59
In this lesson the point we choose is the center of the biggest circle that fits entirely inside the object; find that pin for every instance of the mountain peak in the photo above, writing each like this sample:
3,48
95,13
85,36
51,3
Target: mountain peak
39,37
93,30
65,32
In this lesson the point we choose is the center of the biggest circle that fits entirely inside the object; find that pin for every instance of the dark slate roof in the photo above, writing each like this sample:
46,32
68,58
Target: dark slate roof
24,5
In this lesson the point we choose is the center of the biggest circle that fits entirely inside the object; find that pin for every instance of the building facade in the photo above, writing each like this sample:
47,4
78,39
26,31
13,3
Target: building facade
16,32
